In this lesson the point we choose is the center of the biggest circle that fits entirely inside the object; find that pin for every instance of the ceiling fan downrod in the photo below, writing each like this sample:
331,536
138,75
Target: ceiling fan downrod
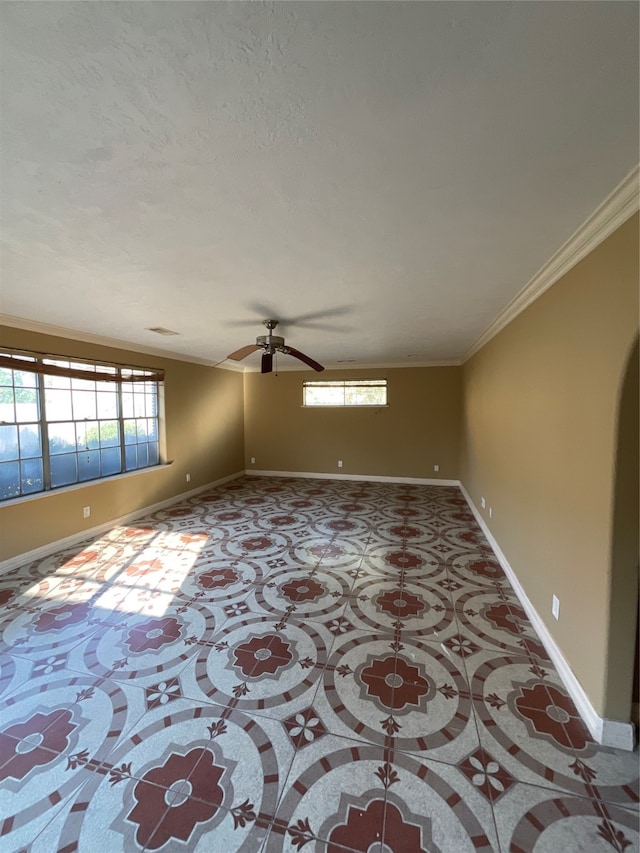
270,342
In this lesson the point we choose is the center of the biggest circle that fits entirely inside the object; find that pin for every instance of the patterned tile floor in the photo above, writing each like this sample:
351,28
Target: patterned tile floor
293,665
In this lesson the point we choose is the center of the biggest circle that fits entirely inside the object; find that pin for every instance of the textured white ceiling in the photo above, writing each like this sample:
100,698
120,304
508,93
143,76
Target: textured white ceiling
383,176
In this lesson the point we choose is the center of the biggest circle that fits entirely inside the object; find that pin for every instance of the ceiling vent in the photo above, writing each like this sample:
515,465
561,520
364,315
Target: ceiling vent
160,331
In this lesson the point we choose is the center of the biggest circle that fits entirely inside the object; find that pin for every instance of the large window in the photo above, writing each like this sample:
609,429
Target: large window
64,421
349,392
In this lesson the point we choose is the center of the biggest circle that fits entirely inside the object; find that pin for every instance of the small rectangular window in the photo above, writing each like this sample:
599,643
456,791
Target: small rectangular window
348,392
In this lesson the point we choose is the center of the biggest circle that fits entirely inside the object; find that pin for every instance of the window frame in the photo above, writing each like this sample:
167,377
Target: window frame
111,454
346,385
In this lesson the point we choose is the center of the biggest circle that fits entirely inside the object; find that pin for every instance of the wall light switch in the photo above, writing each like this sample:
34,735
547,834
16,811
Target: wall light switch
436,467
555,606
339,463
86,511
253,460
483,503
490,513
188,478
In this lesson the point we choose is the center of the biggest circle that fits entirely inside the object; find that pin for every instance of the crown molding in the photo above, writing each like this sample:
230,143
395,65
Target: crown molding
230,365
402,365
117,343
88,338
363,366
614,211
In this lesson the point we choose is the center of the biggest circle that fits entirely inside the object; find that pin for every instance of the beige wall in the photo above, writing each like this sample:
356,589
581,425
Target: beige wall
540,444
537,437
420,427
204,434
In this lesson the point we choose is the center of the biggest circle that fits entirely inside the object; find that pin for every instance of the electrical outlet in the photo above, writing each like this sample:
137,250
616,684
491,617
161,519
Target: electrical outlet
86,511
188,478
253,460
555,606
490,513
436,467
339,463
483,503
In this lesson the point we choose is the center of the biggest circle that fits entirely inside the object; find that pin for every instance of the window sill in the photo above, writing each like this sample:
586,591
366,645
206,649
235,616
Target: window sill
348,406
75,486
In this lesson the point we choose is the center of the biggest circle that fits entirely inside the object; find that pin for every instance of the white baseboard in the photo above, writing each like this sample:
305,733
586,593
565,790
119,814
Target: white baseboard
607,732
310,475
612,733
98,530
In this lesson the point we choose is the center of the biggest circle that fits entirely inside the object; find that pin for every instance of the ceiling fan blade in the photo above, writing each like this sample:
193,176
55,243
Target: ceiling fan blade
307,321
305,358
337,311
267,363
243,352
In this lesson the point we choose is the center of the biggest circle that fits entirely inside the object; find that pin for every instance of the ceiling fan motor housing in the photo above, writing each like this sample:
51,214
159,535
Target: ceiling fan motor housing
270,341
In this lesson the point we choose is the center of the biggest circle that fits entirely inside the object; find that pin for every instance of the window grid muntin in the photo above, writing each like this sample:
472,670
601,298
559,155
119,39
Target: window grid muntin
98,451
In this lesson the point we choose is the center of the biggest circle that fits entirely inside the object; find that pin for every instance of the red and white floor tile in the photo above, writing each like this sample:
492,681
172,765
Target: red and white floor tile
293,665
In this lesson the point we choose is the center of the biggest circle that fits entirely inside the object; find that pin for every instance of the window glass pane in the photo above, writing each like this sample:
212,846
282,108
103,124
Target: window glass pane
130,457
62,438
110,460
127,401
109,434
7,409
143,455
25,379
89,465
141,427
9,479
364,396
324,396
139,408
8,442
154,455
130,432
6,376
31,476
152,429
64,470
83,385
87,435
57,382
26,405
107,404
30,441
152,403
84,405
57,404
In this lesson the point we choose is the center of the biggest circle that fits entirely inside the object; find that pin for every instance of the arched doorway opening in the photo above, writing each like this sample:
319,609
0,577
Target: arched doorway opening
623,657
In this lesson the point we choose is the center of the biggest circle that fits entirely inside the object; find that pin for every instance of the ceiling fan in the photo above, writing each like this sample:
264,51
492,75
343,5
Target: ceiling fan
270,344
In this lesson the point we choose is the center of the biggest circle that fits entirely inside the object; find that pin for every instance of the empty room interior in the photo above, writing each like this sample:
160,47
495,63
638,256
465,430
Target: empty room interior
319,516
